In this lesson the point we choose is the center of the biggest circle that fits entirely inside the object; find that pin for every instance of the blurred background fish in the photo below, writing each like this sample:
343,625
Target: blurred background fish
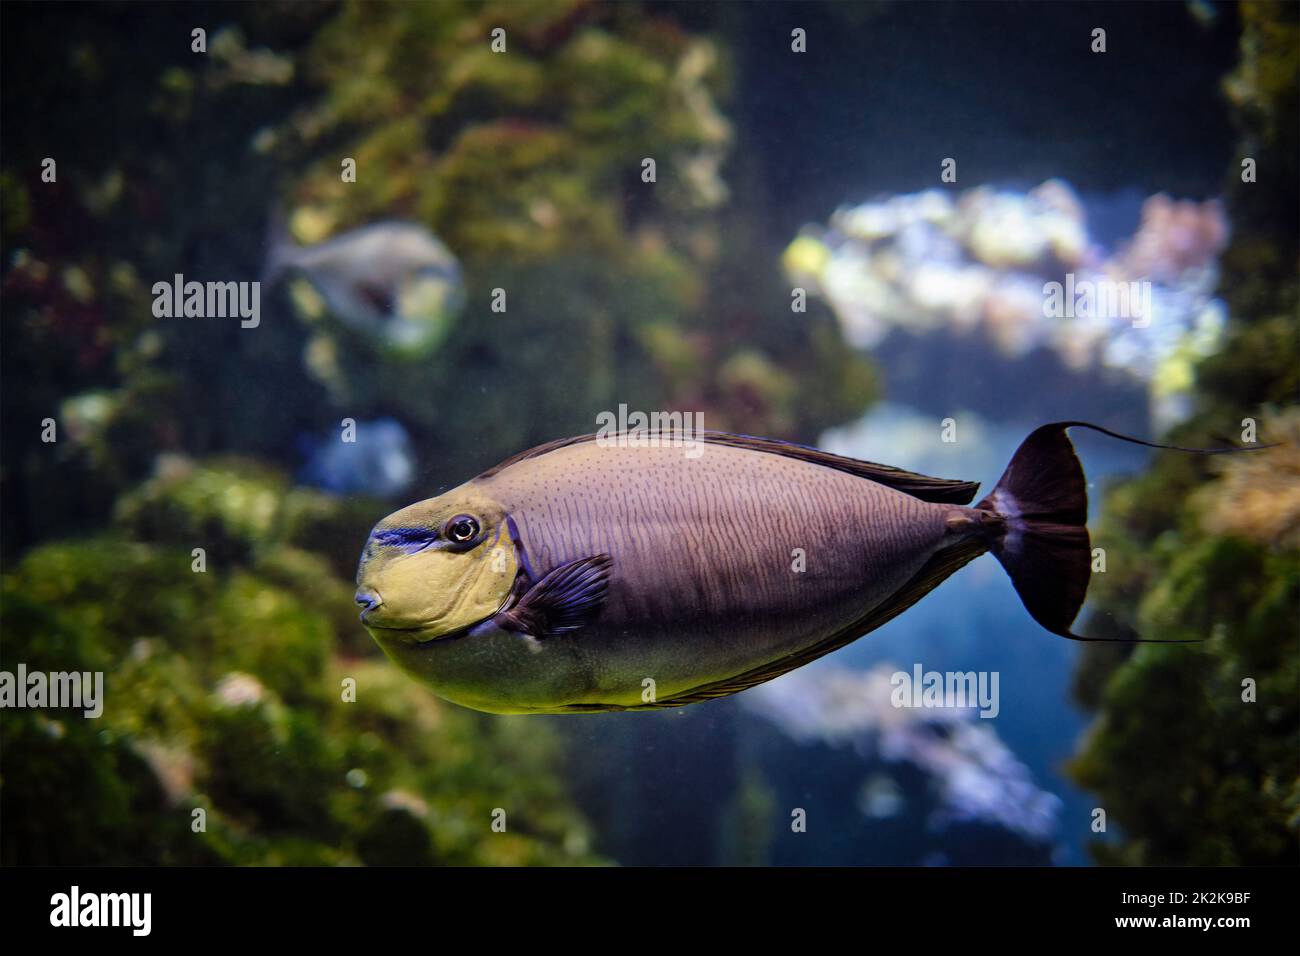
394,282
377,461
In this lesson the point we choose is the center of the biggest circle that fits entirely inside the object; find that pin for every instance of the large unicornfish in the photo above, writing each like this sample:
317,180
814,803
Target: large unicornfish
598,575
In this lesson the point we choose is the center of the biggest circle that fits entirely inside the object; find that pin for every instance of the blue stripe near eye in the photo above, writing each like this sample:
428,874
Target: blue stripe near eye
405,537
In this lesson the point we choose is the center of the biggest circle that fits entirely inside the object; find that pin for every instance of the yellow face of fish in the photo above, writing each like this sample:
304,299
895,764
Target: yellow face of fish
435,568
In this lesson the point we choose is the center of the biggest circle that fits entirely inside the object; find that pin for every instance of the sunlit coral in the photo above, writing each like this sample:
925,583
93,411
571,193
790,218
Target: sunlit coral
1022,269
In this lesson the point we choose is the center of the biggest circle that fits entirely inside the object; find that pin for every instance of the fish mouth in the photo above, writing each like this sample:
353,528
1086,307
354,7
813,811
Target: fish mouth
379,617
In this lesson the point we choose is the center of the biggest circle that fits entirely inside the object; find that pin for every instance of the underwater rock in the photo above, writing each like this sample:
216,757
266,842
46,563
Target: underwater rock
972,777
1212,725
1021,270
227,506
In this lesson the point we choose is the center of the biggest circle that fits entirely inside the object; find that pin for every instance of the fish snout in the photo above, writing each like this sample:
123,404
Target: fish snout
368,599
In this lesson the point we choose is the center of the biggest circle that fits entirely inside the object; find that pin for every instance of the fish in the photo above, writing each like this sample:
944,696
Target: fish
379,461
613,573
391,281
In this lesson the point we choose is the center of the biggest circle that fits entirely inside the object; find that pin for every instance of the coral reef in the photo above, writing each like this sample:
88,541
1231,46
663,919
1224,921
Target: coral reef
234,690
987,261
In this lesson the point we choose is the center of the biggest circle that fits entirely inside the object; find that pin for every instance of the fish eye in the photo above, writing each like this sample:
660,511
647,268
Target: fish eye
462,528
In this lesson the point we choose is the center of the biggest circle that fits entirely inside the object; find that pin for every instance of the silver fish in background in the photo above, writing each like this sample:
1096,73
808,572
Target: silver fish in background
393,282
584,576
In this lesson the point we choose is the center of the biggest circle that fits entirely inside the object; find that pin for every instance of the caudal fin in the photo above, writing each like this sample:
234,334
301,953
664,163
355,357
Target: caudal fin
1042,498
1042,540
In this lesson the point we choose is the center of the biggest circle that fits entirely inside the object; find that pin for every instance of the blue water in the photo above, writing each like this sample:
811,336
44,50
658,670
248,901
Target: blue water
974,620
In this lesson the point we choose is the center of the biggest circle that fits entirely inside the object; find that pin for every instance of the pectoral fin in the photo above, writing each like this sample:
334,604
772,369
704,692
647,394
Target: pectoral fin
567,598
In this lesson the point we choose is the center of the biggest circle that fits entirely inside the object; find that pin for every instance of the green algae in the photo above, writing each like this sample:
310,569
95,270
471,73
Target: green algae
1194,750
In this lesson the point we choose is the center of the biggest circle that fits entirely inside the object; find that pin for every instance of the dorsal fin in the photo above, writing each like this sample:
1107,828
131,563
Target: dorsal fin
937,490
